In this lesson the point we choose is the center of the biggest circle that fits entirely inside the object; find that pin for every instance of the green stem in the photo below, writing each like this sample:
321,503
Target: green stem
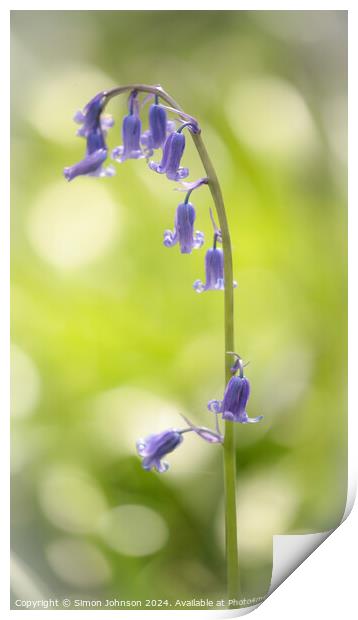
233,586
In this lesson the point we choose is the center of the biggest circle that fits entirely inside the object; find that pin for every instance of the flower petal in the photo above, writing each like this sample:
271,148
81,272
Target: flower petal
199,286
88,165
215,406
254,420
170,238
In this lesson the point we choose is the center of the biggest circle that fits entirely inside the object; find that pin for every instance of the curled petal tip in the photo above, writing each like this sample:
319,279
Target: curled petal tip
156,167
198,240
199,286
169,239
117,152
79,117
141,445
254,420
219,286
215,406
182,173
161,466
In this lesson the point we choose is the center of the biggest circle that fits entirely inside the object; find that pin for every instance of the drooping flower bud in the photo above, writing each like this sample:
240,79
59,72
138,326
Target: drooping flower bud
131,130
172,153
159,128
154,447
183,232
90,165
233,405
214,271
90,117
94,129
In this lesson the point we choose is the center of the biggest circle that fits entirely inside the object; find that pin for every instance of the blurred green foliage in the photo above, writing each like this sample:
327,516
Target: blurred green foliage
110,342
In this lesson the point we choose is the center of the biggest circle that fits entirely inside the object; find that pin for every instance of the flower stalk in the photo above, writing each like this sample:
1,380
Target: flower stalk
154,447
231,544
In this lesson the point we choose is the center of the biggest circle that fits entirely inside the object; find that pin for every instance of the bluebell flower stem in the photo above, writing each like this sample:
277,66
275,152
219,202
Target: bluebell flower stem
187,196
233,584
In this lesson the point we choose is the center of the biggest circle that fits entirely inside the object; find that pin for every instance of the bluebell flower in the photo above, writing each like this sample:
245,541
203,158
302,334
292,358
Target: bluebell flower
154,447
183,232
214,270
233,405
172,154
131,130
94,131
159,128
91,117
90,165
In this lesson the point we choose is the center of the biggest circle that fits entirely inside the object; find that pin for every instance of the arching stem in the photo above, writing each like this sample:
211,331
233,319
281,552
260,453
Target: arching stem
229,441
233,585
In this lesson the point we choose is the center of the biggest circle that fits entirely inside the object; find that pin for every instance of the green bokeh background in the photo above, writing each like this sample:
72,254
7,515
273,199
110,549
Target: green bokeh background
110,342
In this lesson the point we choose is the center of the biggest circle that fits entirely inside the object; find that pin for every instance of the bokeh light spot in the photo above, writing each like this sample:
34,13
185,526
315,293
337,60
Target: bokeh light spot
27,445
120,412
61,94
78,562
294,367
25,383
134,530
123,415
267,502
266,505
72,224
71,500
271,116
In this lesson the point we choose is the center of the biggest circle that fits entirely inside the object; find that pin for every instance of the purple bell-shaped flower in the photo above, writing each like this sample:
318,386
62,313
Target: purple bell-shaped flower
94,131
214,270
183,232
159,128
172,154
154,447
131,132
237,392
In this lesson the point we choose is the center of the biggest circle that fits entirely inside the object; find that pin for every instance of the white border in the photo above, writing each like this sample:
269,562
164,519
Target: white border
325,577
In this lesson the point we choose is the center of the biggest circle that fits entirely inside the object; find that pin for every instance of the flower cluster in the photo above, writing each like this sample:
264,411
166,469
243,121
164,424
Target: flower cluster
164,134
